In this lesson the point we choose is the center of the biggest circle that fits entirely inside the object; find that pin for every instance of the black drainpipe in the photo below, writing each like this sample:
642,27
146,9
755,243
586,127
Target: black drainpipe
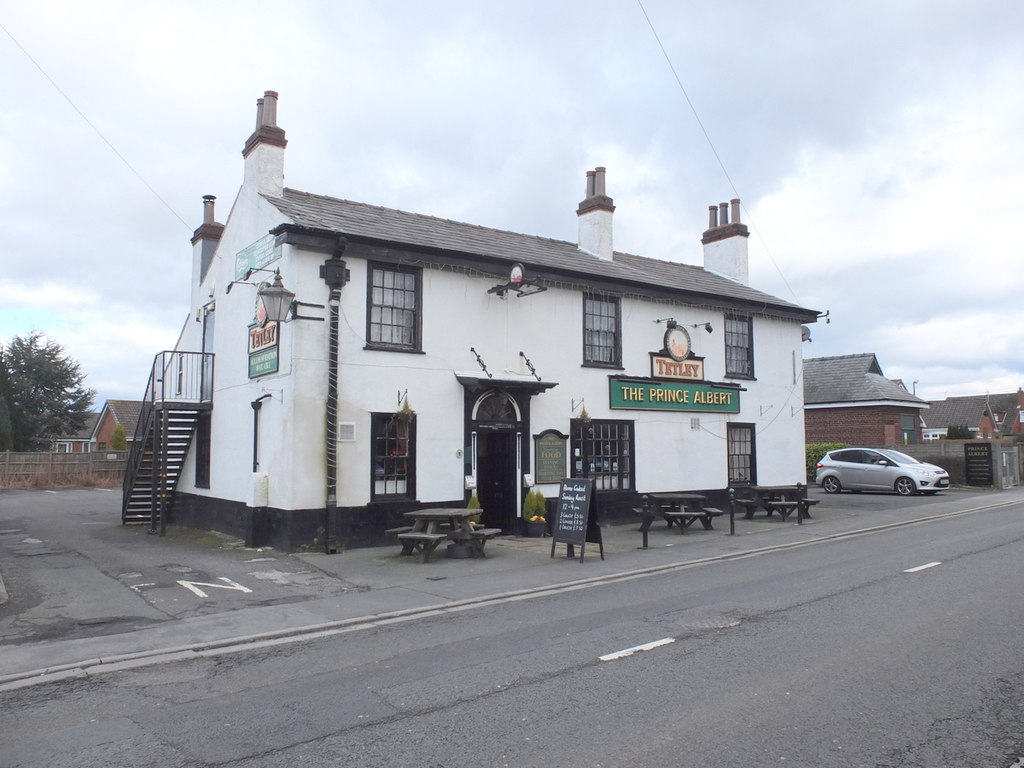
256,404
335,275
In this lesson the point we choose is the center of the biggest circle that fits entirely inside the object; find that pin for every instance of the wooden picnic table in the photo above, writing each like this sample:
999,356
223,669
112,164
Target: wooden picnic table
430,527
680,509
784,499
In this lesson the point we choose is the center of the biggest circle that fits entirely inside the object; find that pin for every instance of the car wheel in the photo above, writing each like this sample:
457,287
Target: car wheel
831,484
905,486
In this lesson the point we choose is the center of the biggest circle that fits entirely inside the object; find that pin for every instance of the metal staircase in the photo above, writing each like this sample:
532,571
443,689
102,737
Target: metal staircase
179,390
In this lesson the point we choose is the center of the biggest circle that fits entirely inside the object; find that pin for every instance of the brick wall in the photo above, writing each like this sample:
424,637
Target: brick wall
874,425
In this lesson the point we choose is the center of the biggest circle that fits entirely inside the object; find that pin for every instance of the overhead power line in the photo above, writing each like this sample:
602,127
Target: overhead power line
711,144
95,129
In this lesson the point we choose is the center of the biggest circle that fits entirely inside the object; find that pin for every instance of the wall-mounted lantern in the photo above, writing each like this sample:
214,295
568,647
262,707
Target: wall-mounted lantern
276,299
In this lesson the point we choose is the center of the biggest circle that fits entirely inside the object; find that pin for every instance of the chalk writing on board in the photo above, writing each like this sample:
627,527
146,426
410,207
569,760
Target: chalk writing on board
574,509
575,521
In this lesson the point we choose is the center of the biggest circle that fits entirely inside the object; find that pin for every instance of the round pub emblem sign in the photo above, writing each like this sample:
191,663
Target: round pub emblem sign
677,343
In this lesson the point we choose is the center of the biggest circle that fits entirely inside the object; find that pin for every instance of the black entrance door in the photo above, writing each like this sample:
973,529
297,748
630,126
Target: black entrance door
496,478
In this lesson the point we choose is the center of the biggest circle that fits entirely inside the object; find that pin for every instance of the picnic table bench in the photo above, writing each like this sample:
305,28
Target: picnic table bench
430,527
422,541
679,509
476,539
784,499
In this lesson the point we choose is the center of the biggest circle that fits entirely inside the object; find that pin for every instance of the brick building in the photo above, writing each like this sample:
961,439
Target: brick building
847,399
115,413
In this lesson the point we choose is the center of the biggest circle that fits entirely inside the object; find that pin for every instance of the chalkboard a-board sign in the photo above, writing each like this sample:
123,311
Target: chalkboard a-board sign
576,516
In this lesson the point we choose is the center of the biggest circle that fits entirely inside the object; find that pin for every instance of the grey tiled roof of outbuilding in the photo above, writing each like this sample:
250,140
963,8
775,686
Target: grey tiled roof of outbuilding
851,379
391,225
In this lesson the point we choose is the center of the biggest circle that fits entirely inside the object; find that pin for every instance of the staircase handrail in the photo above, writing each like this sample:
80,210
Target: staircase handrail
174,378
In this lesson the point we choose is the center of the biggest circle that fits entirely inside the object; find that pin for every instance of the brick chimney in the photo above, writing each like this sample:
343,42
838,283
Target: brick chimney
204,244
725,242
264,150
595,217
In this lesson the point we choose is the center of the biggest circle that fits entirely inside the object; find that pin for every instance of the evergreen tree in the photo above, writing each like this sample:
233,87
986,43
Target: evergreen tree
44,395
6,424
118,439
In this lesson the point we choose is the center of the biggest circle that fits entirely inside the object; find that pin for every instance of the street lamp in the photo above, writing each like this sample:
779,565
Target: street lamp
277,300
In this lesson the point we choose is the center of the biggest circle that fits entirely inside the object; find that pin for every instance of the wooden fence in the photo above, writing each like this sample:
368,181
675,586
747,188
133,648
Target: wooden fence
51,470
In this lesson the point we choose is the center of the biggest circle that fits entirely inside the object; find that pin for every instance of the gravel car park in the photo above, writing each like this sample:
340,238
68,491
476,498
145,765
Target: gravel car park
878,469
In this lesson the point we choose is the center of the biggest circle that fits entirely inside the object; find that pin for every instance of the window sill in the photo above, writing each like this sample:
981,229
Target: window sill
605,366
386,348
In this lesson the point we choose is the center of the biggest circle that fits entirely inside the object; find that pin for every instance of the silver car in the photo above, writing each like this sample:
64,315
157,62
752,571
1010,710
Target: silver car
878,469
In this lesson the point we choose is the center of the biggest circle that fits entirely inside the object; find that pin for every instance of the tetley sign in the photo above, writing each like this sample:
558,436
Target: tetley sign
668,396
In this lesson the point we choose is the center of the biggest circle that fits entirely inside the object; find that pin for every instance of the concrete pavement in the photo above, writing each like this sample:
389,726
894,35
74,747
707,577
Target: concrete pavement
390,588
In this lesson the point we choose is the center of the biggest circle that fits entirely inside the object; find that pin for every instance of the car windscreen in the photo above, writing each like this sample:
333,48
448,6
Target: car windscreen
900,458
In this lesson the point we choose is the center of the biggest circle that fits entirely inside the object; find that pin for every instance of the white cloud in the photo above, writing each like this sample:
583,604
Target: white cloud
876,148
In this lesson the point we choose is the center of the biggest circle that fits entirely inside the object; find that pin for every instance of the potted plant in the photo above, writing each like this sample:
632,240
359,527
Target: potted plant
535,511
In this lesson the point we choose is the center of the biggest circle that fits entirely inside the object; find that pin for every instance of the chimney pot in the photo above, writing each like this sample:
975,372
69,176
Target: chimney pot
595,217
270,108
208,202
259,113
725,244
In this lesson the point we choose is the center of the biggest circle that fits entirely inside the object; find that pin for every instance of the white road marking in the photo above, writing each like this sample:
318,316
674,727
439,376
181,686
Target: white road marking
194,586
630,651
922,567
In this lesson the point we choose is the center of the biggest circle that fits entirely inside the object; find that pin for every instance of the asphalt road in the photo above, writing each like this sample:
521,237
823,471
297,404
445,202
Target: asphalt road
894,649
72,570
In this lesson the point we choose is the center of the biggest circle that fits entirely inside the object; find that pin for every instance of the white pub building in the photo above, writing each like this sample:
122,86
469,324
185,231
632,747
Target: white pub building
344,363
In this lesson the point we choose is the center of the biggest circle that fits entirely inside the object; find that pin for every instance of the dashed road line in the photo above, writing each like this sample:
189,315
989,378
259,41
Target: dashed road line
636,649
922,567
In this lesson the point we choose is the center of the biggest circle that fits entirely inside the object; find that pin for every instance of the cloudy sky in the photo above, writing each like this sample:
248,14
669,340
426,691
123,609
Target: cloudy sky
877,146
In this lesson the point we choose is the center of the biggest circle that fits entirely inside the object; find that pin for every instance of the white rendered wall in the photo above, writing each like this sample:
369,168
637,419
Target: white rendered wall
457,314
728,257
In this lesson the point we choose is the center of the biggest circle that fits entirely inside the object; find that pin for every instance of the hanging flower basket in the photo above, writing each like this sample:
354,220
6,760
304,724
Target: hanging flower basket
404,414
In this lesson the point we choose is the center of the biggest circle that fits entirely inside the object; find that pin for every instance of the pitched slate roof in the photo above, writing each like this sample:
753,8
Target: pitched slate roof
390,225
852,379
85,431
126,414
967,411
